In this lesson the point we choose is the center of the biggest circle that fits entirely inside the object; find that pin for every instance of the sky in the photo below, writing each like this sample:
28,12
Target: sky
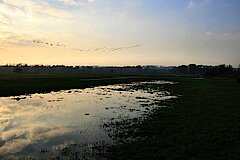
170,32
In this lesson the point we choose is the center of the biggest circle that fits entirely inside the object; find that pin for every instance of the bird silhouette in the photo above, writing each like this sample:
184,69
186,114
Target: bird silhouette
98,49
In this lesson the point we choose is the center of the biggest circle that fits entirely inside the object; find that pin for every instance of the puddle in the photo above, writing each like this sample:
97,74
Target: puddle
44,126
199,78
158,82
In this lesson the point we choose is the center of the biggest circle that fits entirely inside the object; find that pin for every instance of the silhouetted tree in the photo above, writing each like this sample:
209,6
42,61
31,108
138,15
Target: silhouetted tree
219,70
18,69
192,68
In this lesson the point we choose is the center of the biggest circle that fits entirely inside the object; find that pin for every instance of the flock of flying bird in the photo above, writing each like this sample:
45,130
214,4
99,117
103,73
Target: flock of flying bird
103,49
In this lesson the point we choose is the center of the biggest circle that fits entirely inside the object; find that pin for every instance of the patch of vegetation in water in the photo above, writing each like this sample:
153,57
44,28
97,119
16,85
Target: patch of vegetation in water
124,130
203,123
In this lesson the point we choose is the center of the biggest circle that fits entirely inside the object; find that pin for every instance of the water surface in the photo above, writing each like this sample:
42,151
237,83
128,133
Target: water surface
43,126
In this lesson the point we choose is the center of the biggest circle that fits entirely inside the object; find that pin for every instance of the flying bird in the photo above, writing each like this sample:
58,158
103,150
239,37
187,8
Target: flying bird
99,49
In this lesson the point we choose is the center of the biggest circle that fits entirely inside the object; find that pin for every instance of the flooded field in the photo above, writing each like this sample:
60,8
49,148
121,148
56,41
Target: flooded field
72,122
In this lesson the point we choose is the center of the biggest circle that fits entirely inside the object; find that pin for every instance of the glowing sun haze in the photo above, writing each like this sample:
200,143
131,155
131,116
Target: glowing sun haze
170,32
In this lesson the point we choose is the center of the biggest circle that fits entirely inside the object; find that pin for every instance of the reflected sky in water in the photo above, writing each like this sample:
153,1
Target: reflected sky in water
42,125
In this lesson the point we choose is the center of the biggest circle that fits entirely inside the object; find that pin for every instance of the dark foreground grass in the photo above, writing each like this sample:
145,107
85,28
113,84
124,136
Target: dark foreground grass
14,85
202,124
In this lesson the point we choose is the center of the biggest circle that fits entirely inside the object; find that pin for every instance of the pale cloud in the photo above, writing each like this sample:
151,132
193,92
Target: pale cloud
74,2
195,3
223,35
29,8
28,15
8,39
22,21
191,4
69,2
3,21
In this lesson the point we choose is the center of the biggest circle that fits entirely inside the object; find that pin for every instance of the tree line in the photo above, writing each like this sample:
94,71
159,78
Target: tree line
191,69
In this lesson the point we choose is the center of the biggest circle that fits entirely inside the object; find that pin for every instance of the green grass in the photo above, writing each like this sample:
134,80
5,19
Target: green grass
202,124
14,85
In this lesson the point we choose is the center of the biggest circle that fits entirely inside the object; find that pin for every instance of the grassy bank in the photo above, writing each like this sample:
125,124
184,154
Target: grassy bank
14,85
202,124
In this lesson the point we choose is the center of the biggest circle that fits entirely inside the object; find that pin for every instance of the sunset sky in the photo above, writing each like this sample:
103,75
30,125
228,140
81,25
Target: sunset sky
170,32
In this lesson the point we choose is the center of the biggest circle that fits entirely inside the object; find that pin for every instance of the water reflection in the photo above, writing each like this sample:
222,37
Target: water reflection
42,125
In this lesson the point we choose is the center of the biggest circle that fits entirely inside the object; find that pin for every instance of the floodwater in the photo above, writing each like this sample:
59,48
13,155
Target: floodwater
56,124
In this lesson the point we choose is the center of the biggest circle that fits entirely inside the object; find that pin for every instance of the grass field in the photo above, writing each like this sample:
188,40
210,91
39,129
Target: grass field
14,85
202,124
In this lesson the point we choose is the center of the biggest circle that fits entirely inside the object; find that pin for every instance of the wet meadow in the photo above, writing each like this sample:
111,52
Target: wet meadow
118,117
